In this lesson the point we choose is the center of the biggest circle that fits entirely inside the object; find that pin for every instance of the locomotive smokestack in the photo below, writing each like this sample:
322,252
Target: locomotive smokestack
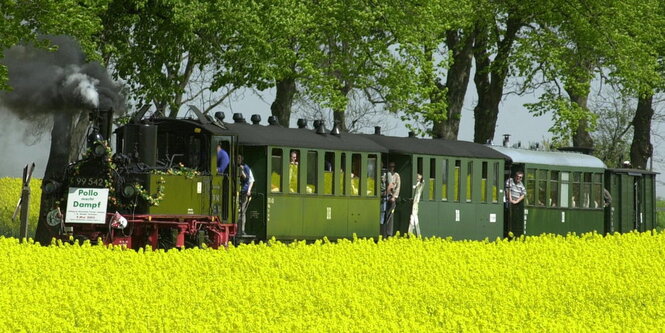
219,115
238,118
377,130
319,126
102,124
335,129
106,125
506,140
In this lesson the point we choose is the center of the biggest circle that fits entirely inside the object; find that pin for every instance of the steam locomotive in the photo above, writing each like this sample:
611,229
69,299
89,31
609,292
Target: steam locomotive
161,187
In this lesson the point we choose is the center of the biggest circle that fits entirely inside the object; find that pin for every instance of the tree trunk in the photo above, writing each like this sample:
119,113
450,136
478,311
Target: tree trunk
339,115
57,162
490,77
160,108
457,81
641,149
281,106
581,136
183,80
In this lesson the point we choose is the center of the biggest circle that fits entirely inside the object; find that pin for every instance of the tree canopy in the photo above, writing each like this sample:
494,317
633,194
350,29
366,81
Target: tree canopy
24,21
413,58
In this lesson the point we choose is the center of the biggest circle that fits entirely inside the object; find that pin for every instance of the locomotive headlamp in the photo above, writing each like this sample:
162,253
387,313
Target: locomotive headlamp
99,150
129,191
50,186
94,137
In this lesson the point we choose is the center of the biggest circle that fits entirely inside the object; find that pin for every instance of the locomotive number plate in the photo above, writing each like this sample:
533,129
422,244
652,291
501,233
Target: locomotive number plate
87,182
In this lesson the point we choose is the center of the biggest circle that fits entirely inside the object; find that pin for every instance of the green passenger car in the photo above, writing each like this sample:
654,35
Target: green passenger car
564,192
329,189
462,193
632,205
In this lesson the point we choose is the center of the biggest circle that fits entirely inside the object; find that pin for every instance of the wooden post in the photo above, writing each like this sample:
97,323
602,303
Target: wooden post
25,201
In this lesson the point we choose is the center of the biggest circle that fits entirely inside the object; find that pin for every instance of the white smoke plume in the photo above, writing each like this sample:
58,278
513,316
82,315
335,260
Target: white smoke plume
83,87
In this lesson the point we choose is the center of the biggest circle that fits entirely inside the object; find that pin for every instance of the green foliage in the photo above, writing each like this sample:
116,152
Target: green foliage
156,47
170,52
566,116
9,196
413,75
25,20
344,48
614,128
328,47
574,42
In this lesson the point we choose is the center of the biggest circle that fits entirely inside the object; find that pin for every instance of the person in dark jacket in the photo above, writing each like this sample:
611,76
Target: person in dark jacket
246,183
223,159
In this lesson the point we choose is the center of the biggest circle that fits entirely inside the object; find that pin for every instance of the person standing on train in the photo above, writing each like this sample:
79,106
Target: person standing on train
384,198
293,172
515,190
515,194
294,157
393,183
414,223
223,159
246,183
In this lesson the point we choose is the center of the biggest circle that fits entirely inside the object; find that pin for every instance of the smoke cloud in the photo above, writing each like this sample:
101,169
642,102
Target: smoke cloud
46,82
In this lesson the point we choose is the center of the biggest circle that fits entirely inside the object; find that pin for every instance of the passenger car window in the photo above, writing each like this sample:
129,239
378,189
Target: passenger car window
294,174
432,178
312,171
444,180
276,170
565,185
553,200
531,187
458,179
371,175
483,182
355,174
469,182
329,173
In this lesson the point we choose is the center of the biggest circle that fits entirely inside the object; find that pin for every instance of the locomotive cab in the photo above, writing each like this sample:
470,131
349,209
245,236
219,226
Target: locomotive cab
180,158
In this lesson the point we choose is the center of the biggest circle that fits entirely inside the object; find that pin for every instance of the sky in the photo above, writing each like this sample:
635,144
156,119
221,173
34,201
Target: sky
514,119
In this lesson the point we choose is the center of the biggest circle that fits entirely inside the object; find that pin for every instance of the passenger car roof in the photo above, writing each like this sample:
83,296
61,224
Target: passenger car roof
412,145
557,158
275,135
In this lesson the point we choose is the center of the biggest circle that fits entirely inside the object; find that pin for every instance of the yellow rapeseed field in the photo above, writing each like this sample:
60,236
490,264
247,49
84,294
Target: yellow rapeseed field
546,283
